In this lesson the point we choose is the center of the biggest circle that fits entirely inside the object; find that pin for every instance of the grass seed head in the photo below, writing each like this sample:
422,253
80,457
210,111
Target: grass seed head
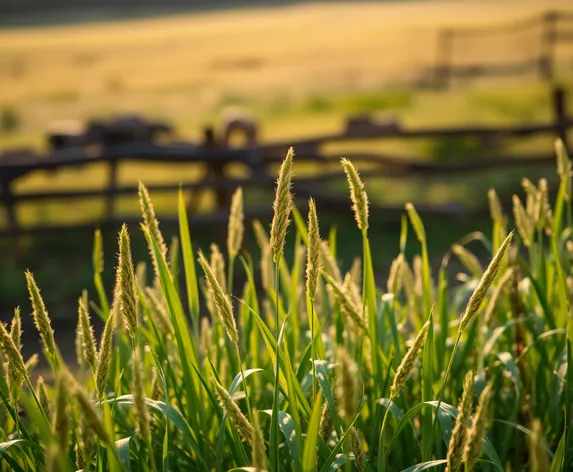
151,222
236,224
140,411
240,422
356,448
42,319
127,290
523,222
347,302
258,445
458,438
407,365
326,426
282,207
539,462
223,305
62,414
357,194
468,259
42,395
86,336
103,364
10,350
495,208
314,262
158,311
475,435
487,279
348,385
90,415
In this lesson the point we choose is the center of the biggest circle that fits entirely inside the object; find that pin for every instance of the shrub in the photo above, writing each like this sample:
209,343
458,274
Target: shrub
310,371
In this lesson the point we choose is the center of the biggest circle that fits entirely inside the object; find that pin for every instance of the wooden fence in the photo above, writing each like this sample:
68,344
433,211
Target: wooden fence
549,31
214,153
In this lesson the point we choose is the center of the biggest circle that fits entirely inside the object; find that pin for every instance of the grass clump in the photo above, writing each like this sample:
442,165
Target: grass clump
318,369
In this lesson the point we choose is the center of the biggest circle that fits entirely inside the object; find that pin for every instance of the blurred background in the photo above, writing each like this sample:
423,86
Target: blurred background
435,101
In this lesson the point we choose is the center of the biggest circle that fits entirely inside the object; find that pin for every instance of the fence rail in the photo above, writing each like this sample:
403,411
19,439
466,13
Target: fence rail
552,28
216,156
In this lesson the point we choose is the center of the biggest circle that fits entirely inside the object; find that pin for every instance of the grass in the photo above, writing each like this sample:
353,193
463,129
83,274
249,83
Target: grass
315,372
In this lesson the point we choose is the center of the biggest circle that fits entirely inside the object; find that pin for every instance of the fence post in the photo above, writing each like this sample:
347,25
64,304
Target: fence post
111,190
546,62
7,197
444,49
216,169
560,113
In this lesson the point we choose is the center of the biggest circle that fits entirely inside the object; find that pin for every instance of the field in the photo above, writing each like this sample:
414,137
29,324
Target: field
310,367
188,69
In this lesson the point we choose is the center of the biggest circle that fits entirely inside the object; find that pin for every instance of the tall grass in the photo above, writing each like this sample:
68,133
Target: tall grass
316,369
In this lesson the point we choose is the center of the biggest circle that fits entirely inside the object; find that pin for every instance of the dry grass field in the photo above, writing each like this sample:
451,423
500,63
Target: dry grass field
301,69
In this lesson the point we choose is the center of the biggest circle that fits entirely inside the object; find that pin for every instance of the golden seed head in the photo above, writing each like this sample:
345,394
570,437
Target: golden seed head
103,363
314,262
140,411
89,414
458,438
127,290
475,435
330,265
326,426
468,259
407,365
158,312
282,207
479,294
260,234
348,385
87,343
523,222
217,263
42,319
495,208
240,422
221,301
42,395
394,279
357,194
10,350
16,328
236,224
348,305
539,462
62,415
151,222
356,448
258,445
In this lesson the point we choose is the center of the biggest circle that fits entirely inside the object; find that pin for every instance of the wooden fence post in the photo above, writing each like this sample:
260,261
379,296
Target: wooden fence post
7,197
546,61
560,113
215,169
444,49
111,190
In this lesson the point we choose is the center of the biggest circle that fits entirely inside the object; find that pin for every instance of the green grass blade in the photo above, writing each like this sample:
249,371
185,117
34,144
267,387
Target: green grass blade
309,455
188,262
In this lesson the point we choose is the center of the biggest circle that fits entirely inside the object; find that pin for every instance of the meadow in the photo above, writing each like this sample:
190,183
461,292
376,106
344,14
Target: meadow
189,69
307,367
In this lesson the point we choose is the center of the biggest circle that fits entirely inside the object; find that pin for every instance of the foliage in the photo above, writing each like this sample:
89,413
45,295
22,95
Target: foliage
9,119
310,373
